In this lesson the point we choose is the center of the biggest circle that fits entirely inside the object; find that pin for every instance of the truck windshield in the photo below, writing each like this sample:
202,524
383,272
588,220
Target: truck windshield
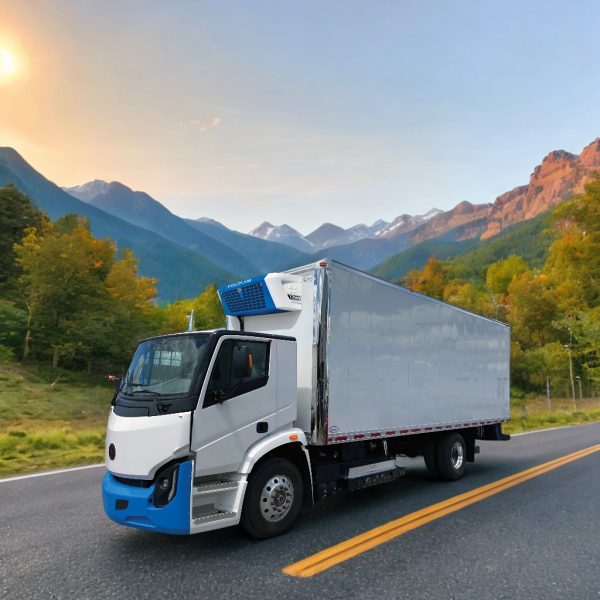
164,366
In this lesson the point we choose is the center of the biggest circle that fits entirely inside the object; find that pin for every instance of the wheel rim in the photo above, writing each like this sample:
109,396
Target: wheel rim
457,456
276,498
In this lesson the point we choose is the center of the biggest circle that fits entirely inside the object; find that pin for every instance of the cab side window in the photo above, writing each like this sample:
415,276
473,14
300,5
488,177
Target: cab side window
223,383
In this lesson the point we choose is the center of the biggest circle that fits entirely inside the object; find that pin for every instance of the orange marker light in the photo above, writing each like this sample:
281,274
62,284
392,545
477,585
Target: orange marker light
294,437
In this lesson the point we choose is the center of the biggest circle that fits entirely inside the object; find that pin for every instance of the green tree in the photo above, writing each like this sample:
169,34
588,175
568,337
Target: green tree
63,278
208,312
430,281
532,310
17,214
573,264
82,304
133,313
13,324
499,274
468,296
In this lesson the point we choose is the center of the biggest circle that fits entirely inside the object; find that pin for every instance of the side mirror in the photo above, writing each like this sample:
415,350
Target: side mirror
241,361
117,381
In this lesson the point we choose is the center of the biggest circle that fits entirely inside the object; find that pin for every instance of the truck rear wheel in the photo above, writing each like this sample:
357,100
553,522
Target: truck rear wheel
451,456
273,498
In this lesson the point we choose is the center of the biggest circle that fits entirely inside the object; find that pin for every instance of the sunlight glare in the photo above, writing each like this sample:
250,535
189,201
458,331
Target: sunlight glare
7,63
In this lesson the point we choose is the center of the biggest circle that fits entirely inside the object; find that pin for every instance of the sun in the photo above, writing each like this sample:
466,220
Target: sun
7,63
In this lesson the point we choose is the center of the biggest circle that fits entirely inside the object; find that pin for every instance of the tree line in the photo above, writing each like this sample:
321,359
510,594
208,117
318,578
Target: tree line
554,311
73,300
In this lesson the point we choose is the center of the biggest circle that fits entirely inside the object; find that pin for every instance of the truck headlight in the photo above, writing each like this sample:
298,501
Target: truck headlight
166,486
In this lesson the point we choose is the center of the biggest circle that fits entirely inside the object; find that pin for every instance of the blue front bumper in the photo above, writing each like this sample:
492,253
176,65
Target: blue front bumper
135,508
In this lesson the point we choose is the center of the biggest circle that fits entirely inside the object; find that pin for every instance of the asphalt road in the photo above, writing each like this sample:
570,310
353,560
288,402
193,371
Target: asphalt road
537,540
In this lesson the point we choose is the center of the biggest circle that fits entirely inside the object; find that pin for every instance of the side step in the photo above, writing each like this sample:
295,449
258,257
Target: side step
366,476
211,517
214,487
217,501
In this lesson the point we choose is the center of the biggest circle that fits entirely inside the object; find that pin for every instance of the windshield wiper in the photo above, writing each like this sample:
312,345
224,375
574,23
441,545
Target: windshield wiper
150,392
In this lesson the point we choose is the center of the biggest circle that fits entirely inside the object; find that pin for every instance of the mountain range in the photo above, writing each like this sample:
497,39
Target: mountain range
185,255
328,234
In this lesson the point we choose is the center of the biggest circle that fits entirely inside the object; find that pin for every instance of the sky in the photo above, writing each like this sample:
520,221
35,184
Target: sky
299,112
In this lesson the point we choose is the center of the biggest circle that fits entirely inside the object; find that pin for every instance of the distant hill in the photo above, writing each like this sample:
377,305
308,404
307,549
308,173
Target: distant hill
180,272
266,255
144,211
415,257
283,234
529,239
470,258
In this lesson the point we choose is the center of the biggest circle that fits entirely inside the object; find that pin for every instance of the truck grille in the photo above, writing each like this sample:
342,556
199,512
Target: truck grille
247,297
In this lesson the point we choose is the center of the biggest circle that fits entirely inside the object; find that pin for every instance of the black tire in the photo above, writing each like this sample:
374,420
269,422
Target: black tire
451,456
430,456
269,513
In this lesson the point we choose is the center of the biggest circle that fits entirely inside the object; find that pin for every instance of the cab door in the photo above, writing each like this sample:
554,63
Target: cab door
234,412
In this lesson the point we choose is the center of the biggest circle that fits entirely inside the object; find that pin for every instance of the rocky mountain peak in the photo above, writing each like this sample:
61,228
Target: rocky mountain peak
463,208
283,234
560,175
590,155
89,190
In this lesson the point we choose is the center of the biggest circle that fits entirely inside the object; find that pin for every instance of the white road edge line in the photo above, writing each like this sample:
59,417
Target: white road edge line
549,429
50,473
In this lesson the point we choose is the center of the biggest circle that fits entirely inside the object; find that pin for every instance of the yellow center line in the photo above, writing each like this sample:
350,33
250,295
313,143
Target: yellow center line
354,546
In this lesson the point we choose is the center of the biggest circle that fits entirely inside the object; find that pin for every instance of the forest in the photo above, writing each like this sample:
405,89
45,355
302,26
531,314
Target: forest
553,309
73,301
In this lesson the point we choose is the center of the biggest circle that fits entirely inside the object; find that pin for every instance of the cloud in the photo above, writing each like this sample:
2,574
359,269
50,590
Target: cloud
202,125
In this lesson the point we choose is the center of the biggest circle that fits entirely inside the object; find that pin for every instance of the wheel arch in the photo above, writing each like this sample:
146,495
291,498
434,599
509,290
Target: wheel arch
290,445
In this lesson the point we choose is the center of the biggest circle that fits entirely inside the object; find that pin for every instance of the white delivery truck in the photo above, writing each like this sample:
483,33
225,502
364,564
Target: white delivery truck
323,380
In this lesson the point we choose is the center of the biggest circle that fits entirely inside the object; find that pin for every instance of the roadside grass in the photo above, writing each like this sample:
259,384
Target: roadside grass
50,419
534,413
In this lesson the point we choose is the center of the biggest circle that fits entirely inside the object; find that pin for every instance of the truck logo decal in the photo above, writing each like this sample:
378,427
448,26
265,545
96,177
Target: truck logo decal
334,429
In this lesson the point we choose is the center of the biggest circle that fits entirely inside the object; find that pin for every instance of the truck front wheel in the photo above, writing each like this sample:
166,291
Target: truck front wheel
451,456
273,498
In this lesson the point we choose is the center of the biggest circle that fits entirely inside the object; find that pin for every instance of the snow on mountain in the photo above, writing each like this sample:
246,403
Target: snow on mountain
88,191
328,235
434,212
405,223
378,226
284,234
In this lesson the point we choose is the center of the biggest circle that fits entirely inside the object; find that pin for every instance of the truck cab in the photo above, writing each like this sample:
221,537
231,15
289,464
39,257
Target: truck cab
188,410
